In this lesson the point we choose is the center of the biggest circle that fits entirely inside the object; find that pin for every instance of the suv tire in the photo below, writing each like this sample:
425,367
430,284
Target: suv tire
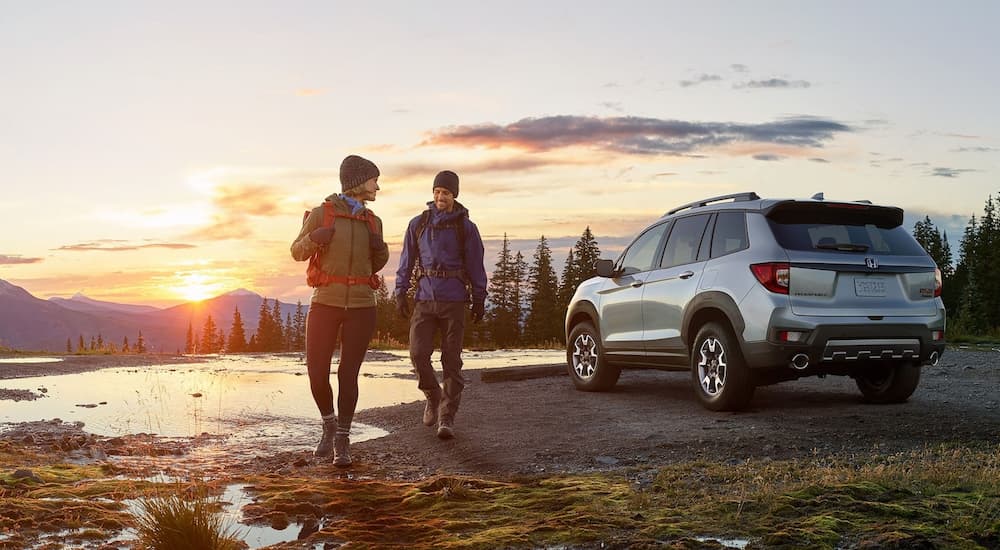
888,383
585,360
720,376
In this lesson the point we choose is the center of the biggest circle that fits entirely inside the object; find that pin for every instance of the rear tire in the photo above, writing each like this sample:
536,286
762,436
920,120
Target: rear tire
585,361
720,376
890,383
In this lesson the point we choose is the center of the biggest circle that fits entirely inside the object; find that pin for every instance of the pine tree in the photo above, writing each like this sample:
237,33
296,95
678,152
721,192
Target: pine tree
69,345
501,320
289,332
385,310
237,335
189,346
265,328
100,342
93,343
220,341
125,347
208,336
518,295
300,327
140,344
80,346
542,324
278,336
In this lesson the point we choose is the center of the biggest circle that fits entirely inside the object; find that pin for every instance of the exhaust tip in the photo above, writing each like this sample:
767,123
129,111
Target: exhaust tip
800,361
934,358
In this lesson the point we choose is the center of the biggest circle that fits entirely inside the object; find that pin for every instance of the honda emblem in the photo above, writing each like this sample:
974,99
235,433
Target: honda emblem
872,263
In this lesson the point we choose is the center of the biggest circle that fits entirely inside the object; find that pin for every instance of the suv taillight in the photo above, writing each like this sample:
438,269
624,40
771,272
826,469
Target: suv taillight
774,276
937,281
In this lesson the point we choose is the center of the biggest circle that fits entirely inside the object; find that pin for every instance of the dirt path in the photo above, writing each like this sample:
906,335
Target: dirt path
545,425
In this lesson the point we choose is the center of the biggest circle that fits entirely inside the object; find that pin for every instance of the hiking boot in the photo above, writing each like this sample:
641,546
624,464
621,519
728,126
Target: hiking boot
431,407
445,428
341,451
325,447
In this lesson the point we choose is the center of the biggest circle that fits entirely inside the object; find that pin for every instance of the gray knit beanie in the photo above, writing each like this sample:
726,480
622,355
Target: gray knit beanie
448,180
356,170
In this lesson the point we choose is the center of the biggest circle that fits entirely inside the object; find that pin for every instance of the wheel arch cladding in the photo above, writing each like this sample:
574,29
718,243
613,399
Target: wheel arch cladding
711,306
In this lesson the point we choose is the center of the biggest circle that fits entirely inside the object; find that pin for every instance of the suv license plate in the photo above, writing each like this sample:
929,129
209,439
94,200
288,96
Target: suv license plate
869,287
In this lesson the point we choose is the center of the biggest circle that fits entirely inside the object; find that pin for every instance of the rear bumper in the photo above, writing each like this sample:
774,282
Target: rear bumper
848,341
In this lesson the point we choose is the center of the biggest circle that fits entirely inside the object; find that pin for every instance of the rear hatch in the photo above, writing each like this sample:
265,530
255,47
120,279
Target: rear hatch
853,259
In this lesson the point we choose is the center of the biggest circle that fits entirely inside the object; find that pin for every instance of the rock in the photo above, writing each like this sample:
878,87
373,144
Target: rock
24,473
606,460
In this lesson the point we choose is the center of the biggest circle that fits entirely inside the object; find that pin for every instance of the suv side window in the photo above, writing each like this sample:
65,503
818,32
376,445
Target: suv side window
730,233
641,253
682,246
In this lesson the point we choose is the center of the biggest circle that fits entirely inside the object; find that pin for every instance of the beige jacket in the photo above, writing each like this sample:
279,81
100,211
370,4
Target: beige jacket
349,254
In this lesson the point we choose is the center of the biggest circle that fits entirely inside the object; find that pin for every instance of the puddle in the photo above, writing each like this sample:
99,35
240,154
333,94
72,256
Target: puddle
30,360
726,543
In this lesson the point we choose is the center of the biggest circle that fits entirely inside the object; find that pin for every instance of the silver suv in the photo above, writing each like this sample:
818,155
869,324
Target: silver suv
744,291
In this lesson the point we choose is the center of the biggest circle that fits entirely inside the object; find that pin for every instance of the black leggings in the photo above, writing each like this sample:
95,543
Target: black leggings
356,327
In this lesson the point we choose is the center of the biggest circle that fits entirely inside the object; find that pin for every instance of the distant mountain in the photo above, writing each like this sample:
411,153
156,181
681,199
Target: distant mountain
79,302
30,323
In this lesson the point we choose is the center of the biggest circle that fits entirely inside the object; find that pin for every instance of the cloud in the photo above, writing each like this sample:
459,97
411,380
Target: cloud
944,172
820,160
773,83
975,150
767,157
637,135
739,67
17,259
613,105
113,245
235,205
700,80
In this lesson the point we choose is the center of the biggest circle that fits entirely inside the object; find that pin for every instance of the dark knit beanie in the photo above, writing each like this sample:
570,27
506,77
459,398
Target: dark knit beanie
356,170
448,180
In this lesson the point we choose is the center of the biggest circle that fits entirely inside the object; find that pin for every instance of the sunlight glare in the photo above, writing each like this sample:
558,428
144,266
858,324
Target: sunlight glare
195,286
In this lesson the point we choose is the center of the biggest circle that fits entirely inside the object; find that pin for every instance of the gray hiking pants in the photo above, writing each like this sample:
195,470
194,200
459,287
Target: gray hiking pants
429,318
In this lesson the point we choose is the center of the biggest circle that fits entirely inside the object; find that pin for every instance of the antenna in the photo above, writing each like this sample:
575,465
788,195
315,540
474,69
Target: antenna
817,196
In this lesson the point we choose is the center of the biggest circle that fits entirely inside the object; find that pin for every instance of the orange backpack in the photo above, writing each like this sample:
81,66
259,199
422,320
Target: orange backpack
315,276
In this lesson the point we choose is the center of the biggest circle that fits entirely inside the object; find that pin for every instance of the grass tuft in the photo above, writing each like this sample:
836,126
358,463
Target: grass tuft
168,523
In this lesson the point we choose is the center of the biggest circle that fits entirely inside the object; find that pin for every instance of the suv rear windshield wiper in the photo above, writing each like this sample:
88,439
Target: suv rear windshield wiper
844,247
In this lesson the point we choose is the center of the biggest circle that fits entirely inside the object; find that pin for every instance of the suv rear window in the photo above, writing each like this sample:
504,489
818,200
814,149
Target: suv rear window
848,228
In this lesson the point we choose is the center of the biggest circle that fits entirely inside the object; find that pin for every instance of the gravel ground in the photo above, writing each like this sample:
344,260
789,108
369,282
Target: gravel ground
653,417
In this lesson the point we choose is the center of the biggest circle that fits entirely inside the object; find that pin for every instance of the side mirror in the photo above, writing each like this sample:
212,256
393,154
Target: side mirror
604,268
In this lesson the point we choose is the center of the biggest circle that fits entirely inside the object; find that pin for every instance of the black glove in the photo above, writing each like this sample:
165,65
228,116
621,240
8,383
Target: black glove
402,305
478,311
375,241
322,235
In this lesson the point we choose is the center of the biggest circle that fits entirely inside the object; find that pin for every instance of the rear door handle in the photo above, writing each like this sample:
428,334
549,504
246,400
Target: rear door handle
686,275
637,284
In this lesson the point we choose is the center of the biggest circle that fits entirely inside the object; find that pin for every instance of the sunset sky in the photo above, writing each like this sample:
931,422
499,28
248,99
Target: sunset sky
154,152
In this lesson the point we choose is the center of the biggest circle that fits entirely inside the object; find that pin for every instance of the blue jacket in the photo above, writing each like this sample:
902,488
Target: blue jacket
438,249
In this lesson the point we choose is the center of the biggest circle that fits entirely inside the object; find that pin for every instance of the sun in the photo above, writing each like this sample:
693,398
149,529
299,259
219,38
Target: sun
195,286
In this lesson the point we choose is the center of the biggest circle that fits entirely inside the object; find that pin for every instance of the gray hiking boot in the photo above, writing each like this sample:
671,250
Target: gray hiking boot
341,451
325,447
431,407
446,428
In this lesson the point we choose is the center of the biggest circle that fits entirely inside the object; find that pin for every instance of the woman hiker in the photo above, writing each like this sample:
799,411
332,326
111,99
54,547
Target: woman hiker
343,242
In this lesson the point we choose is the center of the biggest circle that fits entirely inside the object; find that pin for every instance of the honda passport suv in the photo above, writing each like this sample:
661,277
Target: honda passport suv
744,291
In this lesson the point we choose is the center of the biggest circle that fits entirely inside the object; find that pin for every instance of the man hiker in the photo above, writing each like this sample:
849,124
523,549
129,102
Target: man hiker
443,250
342,239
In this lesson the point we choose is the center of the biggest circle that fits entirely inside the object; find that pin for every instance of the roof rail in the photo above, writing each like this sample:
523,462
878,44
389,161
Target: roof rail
737,197
864,201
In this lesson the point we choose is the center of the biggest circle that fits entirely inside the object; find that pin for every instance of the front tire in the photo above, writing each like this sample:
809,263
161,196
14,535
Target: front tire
720,376
585,361
892,383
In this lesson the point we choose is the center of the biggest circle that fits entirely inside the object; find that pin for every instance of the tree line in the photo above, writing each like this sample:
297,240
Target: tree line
971,285
98,344
273,333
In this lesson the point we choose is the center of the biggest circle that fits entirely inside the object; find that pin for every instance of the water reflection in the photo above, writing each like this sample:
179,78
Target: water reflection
30,359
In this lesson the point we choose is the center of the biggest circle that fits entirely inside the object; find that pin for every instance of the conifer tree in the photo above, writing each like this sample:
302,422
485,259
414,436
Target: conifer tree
69,345
100,342
125,347
237,335
502,319
543,324
300,327
80,345
518,295
140,344
189,346
289,332
265,328
278,336
209,340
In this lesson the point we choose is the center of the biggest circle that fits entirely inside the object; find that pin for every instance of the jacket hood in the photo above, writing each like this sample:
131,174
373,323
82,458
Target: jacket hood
344,206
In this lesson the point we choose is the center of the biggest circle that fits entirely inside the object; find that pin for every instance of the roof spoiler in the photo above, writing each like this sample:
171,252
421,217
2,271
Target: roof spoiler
736,197
819,197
